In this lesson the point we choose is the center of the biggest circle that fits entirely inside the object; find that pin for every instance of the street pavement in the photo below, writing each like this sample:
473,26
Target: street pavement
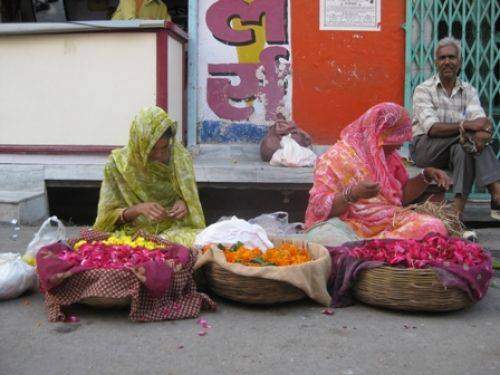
295,338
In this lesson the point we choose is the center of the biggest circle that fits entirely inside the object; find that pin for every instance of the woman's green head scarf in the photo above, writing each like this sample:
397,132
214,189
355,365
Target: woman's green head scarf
147,129
131,178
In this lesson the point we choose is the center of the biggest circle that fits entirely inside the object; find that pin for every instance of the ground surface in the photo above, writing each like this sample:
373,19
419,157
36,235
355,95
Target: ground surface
292,339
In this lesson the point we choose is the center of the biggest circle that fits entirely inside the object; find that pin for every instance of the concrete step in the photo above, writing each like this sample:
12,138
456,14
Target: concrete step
22,194
27,207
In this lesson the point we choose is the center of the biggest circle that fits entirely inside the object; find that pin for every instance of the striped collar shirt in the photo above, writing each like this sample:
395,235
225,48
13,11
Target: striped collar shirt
432,104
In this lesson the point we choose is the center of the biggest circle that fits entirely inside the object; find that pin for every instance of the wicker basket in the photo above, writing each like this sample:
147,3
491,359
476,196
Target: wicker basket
106,303
408,289
252,290
95,235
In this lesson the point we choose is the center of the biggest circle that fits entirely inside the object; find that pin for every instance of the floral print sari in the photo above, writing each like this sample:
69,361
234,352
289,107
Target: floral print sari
359,155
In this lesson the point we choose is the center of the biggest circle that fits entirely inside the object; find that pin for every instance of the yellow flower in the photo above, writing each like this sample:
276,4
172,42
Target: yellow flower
79,244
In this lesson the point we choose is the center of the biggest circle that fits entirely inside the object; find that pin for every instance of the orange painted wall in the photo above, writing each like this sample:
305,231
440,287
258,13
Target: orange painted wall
338,75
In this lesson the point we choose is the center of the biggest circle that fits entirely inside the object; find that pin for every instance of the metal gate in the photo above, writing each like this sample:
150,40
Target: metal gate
477,24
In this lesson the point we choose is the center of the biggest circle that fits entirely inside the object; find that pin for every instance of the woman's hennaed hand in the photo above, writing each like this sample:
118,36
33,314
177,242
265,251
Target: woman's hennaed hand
152,210
179,210
365,190
439,176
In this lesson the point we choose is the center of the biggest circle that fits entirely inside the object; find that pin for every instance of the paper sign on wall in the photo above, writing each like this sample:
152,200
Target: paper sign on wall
363,15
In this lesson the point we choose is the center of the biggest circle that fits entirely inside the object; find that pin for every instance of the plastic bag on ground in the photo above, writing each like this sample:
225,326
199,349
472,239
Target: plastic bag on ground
16,277
291,154
52,230
276,224
232,231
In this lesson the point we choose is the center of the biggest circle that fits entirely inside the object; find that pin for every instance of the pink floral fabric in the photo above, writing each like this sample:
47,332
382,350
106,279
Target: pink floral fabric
358,156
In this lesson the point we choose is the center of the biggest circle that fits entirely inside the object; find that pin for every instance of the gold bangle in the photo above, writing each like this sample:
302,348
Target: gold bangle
122,217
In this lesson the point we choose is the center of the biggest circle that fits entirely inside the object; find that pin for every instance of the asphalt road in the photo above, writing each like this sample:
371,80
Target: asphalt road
290,339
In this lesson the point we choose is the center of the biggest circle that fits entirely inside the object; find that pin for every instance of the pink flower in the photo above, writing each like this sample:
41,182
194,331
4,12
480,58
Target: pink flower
437,249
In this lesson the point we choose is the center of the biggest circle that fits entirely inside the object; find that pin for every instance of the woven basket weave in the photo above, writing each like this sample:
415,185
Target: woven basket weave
408,289
252,290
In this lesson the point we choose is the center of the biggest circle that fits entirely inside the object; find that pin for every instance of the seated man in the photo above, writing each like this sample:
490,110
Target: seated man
444,108
141,9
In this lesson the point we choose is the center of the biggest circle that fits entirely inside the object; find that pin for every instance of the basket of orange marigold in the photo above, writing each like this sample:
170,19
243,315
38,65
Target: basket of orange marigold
252,276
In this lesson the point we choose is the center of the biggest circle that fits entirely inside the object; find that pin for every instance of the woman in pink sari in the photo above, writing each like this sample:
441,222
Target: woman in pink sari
362,181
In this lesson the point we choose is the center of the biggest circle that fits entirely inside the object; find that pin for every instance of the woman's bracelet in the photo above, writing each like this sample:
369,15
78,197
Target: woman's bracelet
122,216
348,194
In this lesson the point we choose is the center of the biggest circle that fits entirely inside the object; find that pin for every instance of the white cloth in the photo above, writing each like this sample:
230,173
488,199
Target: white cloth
291,154
232,231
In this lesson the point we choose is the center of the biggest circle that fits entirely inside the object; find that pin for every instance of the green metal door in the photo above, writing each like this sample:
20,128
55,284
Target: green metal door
477,24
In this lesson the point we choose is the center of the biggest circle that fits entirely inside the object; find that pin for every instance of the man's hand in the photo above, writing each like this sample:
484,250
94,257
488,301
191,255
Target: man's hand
481,139
152,210
178,211
480,124
365,190
438,176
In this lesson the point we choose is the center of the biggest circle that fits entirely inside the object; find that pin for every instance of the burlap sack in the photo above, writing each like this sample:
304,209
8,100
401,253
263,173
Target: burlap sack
310,277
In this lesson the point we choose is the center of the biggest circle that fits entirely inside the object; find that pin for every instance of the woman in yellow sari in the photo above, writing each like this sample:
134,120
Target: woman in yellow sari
141,9
149,184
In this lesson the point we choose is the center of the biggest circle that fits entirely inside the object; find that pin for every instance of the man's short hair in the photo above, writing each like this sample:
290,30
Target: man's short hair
449,41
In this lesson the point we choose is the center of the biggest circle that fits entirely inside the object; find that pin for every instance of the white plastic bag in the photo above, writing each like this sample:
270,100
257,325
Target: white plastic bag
232,231
276,224
16,276
291,154
51,231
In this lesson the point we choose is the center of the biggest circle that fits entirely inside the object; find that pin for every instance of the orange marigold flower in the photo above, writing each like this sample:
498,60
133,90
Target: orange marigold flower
282,255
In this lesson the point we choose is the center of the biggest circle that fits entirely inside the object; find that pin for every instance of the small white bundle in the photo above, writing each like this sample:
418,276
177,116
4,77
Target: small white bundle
232,231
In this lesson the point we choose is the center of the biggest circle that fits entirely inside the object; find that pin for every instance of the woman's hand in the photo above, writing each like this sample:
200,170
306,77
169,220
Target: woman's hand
178,211
438,176
365,190
152,210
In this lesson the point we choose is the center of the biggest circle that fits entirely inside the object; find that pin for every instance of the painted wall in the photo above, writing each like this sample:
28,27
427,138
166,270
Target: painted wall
82,88
246,76
85,88
338,75
244,68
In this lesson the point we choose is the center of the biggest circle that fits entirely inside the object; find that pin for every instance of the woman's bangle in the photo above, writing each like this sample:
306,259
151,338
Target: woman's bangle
348,194
425,178
122,216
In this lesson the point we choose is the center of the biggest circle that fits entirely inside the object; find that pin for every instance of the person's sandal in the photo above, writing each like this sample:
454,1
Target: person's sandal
470,235
495,210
